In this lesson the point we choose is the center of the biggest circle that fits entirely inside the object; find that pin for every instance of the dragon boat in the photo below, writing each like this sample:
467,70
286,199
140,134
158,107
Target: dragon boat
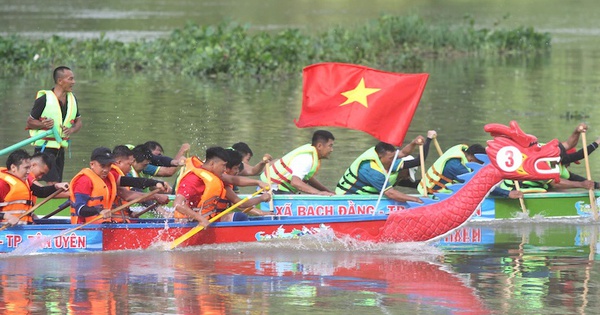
572,203
512,154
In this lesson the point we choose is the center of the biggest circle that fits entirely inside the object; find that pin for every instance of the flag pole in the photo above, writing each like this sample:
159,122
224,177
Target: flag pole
387,177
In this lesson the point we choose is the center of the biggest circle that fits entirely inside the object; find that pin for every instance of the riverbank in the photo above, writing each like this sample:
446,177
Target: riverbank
230,49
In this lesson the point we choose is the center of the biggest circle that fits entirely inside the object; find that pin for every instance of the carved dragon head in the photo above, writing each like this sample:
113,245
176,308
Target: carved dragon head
519,156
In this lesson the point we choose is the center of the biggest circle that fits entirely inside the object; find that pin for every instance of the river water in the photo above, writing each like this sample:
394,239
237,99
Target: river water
533,267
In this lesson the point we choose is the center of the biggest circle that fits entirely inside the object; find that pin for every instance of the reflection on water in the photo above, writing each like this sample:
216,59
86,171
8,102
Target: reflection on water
534,267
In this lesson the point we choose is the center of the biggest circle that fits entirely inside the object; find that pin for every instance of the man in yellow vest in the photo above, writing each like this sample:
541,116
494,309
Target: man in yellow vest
447,168
295,171
56,106
366,175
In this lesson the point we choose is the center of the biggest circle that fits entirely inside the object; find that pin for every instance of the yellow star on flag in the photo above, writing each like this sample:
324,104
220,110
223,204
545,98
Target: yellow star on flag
359,94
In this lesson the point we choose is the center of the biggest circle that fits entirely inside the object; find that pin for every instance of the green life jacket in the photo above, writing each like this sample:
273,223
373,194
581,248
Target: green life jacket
349,183
434,175
535,186
281,174
52,111
527,186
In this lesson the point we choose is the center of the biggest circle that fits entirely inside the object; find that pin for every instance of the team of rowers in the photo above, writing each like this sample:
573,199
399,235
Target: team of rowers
205,187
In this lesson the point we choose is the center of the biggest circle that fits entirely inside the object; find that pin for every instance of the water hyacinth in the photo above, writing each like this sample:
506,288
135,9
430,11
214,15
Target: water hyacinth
230,49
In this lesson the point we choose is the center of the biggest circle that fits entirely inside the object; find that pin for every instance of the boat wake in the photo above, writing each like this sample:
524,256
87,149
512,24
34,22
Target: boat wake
325,242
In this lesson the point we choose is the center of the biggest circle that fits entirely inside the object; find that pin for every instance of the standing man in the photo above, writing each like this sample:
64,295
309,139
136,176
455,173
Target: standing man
295,171
56,106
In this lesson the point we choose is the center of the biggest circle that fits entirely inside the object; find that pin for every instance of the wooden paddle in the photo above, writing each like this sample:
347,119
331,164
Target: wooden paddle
30,211
268,175
60,208
148,208
199,227
422,158
99,217
589,177
521,200
437,146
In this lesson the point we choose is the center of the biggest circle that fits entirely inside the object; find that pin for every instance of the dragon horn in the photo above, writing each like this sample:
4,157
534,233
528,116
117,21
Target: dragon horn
513,132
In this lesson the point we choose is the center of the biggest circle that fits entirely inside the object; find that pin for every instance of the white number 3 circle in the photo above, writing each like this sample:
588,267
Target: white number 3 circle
509,159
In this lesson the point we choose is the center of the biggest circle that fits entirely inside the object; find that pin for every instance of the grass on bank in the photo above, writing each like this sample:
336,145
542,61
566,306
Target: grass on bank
398,42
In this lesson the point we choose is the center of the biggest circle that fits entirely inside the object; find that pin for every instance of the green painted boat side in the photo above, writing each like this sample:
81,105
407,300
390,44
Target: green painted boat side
552,204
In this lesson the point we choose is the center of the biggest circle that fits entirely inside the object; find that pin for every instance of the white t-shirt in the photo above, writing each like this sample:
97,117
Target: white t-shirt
300,166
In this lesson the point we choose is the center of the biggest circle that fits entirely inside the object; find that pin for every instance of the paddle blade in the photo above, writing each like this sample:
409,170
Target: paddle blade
186,236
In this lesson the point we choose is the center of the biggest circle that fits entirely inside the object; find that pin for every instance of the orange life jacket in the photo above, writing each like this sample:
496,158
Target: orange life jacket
19,198
122,215
100,195
214,192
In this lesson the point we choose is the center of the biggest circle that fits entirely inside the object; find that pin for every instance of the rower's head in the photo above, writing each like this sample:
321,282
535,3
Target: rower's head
472,150
40,164
141,157
155,147
123,158
18,164
101,160
234,162
386,153
64,78
244,150
323,140
216,160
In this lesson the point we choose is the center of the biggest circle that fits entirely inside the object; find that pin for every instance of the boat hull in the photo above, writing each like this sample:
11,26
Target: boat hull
51,238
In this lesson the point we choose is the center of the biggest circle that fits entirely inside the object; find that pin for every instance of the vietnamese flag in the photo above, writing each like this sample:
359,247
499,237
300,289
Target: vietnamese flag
379,103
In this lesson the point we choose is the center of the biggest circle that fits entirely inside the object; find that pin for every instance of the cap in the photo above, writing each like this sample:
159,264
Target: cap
571,151
413,170
102,155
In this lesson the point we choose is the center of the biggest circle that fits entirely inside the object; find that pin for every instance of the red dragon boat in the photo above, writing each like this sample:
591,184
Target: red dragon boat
512,154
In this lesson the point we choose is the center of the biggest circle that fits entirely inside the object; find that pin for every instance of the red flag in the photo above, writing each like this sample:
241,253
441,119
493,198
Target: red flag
379,103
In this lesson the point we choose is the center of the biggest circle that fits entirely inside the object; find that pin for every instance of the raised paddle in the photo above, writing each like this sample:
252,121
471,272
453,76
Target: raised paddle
589,177
30,211
268,175
199,227
422,158
437,146
521,200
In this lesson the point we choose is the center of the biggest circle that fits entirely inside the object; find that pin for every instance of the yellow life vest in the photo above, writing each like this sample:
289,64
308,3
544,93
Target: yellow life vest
281,173
433,176
52,111
350,183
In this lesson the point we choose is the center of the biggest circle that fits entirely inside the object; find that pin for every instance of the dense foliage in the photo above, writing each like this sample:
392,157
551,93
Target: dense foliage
397,42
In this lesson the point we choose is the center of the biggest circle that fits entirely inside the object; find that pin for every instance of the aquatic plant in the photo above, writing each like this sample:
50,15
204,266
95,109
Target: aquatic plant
231,49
